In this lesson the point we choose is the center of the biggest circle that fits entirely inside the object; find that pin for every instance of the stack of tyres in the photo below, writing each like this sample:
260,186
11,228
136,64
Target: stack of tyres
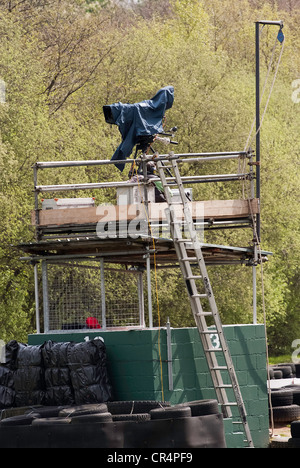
283,371
142,424
283,407
285,400
54,374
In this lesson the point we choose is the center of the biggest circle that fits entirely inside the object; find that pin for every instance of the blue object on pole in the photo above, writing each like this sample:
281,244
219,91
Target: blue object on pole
280,36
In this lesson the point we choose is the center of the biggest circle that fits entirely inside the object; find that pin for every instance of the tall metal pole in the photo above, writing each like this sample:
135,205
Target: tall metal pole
258,194
257,55
257,50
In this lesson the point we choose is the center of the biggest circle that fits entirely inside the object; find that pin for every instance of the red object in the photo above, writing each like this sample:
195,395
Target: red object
92,322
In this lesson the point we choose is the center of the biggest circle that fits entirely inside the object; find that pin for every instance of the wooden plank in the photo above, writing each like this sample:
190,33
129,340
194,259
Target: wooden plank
215,209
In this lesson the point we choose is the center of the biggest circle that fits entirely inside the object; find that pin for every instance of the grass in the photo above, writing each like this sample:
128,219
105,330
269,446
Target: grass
280,359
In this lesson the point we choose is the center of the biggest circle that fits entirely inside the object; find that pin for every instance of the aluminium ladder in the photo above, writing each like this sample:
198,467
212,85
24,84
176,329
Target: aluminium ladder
192,246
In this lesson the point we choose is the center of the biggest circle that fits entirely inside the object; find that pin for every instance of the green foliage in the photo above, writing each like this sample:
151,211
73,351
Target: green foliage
62,60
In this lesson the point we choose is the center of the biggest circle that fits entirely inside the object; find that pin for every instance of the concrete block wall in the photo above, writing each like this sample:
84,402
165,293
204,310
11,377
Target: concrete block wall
136,364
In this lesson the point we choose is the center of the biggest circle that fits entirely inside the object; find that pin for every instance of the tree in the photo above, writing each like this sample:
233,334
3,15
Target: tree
62,60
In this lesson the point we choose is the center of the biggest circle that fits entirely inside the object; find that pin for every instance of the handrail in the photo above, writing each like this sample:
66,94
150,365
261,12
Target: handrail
194,157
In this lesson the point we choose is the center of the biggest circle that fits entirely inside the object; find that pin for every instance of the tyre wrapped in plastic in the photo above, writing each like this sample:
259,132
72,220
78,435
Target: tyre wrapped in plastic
7,392
58,385
89,376
7,368
29,376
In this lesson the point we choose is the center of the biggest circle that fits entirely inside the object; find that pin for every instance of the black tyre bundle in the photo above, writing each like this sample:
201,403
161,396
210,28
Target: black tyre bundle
28,377
54,374
89,377
7,390
59,390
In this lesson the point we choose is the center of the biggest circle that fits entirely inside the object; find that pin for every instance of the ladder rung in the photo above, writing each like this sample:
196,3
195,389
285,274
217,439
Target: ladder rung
203,296
229,404
193,277
224,386
209,332
204,314
213,350
188,241
189,259
219,368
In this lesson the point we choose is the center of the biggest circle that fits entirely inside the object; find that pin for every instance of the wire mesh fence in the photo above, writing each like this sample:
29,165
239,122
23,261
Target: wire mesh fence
78,299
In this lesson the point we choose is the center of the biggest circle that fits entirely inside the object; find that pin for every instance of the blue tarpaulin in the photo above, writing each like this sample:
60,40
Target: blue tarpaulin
139,120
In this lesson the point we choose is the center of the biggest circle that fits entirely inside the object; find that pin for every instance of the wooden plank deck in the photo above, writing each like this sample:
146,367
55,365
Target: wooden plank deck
211,209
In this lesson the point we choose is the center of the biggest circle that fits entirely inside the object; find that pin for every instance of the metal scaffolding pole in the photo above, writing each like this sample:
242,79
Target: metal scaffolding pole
45,295
149,288
103,299
141,299
37,302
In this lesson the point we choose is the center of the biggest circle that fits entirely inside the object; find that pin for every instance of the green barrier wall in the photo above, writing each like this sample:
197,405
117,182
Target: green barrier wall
135,365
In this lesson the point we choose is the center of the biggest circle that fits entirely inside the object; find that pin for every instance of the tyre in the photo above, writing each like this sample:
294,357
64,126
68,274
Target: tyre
297,368
203,407
131,417
50,421
145,406
47,411
171,412
281,397
134,407
91,418
286,371
295,389
82,410
295,429
278,374
294,443
25,420
291,365
286,414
